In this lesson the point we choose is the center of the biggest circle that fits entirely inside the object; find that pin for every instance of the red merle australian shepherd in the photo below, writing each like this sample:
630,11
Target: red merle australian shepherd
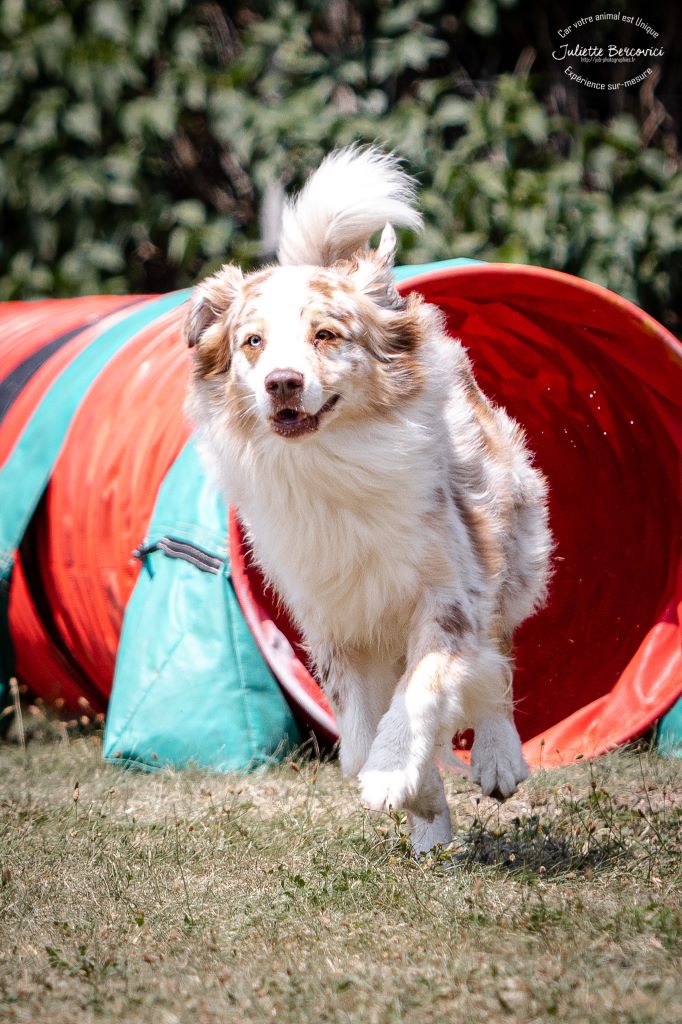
392,506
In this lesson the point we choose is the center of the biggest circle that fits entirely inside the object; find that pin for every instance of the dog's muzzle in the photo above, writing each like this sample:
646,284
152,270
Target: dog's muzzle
293,421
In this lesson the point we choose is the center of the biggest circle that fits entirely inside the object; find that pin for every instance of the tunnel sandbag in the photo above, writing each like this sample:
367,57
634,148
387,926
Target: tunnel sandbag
597,386
190,684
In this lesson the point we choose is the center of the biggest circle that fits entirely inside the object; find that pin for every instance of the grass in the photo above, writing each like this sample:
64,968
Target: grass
172,897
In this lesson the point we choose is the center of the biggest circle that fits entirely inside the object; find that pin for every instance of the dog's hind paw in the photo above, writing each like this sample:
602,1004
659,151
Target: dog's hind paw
497,762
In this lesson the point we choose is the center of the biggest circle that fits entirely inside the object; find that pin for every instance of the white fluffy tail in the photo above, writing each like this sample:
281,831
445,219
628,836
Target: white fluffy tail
353,193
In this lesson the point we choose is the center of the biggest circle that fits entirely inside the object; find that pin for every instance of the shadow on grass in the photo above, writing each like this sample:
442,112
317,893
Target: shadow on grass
586,836
531,846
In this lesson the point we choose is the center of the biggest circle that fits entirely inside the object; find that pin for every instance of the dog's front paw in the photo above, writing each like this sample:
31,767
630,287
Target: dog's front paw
497,762
386,790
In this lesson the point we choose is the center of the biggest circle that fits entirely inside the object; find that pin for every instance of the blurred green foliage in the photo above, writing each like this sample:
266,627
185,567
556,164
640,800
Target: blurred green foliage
139,137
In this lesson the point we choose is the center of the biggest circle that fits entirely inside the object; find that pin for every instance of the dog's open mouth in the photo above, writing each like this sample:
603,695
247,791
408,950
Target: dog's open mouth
291,422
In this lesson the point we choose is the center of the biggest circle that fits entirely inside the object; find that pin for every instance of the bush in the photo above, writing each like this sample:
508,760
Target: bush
142,138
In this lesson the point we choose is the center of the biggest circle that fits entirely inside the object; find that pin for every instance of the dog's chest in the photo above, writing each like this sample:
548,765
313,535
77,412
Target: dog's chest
345,554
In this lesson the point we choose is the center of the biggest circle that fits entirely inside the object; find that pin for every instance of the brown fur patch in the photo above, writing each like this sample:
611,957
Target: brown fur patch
387,389
254,282
454,622
391,379
498,448
333,307
328,286
485,415
206,325
473,392
393,332
439,499
394,340
505,644
212,356
488,550
335,697
323,673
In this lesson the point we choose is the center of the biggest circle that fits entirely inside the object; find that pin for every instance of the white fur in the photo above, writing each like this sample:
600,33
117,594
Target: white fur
353,193
360,525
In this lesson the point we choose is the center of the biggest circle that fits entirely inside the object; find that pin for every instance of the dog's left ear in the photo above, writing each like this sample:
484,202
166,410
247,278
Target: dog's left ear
373,271
385,251
394,326
210,302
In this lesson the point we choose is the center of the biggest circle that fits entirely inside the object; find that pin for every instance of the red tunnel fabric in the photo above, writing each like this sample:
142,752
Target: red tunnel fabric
31,331
75,570
596,383
35,326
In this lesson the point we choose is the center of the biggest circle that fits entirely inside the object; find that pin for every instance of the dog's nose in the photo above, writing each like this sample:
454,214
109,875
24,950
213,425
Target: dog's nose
284,384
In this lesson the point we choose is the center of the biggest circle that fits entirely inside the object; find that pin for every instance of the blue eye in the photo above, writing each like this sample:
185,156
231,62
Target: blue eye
254,341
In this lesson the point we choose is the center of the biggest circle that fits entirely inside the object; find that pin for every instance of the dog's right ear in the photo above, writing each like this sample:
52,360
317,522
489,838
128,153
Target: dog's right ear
210,302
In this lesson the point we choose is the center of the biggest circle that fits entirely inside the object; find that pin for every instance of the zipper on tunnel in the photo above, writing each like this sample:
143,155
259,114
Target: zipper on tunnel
176,548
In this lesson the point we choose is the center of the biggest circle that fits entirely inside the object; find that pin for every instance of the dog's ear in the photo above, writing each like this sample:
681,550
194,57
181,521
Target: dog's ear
394,322
210,302
372,271
385,251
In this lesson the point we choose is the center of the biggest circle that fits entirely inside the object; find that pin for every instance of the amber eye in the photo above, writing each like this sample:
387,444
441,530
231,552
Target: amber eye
253,341
324,336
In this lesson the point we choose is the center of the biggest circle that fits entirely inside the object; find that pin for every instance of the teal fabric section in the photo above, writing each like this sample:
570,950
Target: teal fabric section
669,732
405,273
25,475
190,686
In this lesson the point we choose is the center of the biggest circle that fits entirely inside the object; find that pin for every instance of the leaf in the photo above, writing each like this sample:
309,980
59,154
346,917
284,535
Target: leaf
453,110
105,255
534,124
154,114
107,19
189,212
624,132
82,121
481,16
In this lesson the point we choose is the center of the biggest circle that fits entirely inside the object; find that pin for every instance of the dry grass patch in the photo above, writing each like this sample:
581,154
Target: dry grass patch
186,896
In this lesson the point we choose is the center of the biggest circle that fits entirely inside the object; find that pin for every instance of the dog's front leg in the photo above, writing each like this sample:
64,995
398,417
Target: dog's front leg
397,774
453,677
428,832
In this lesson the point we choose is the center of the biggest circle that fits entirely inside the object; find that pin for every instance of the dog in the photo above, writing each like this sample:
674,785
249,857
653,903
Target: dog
395,510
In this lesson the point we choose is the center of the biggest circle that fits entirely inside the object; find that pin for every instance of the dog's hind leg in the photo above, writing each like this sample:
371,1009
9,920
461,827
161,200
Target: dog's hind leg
359,688
497,762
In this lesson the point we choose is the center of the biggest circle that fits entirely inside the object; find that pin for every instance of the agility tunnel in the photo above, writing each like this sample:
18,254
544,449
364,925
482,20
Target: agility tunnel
126,584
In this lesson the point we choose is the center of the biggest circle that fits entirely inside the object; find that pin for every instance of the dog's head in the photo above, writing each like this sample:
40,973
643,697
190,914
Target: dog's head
291,350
